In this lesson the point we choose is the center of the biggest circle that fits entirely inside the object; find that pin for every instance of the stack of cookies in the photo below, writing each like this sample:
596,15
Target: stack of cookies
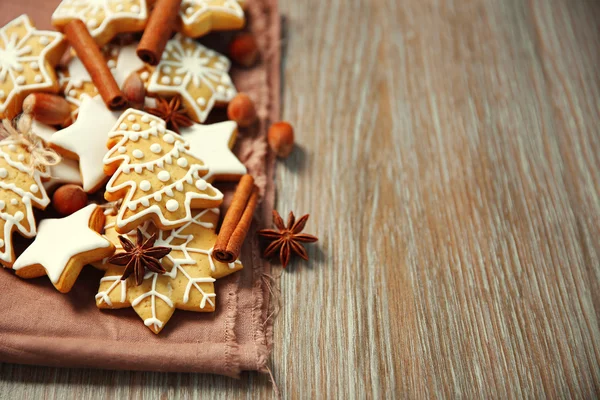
119,115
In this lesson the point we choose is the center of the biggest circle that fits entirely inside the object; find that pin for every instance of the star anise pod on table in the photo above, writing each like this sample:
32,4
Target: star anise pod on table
288,239
172,112
139,257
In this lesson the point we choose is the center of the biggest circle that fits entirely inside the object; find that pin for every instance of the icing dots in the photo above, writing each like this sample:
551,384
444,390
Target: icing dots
199,75
155,148
145,185
137,153
164,176
172,205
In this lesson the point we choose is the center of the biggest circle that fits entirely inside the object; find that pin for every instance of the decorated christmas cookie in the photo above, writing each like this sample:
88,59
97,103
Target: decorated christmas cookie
198,17
122,60
67,171
63,246
27,60
188,281
85,141
103,18
21,189
199,75
213,144
154,173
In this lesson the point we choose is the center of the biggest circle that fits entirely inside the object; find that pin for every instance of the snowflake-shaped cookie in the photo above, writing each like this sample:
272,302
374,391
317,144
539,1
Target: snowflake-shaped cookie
189,282
27,60
103,18
199,17
199,75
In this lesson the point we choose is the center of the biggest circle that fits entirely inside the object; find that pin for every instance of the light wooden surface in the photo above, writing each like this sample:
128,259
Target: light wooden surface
449,157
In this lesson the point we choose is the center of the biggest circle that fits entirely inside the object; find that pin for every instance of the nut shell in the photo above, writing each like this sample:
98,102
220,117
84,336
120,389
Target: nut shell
281,139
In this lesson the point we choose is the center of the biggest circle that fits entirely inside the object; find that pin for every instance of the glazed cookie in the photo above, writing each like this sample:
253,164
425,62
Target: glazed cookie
199,17
63,257
213,144
21,189
104,19
67,171
76,82
199,75
187,284
27,60
154,173
85,141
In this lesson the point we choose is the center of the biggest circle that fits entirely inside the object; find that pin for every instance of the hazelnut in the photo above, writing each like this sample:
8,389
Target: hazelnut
243,49
68,199
47,108
281,138
241,110
134,91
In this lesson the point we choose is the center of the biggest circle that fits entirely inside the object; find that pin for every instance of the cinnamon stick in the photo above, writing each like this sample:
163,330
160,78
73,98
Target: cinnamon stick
237,221
93,60
158,31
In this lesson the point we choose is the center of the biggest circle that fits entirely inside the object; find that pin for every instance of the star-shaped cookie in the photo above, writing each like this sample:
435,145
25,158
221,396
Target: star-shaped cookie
27,60
67,171
188,283
199,17
63,246
85,140
213,144
197,74
103,18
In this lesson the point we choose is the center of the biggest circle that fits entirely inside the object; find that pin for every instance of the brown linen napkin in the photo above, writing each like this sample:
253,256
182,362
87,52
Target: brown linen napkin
39,325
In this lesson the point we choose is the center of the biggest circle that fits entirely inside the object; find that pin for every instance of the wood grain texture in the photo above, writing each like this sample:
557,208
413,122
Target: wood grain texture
449,157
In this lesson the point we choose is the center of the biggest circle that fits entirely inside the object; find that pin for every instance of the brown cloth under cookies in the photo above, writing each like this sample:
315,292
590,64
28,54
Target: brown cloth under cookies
40,326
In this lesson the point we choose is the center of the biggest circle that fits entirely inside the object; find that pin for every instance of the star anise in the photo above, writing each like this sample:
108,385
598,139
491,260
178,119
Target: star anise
139,257
172,112
288,239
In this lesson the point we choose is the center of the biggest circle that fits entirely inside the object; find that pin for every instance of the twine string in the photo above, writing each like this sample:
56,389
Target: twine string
40,157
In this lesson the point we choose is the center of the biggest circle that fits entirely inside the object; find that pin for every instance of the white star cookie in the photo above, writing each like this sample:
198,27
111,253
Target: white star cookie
27,60
154,173
213,144
199,17
67,171
103,18
85,141
63,246
199,75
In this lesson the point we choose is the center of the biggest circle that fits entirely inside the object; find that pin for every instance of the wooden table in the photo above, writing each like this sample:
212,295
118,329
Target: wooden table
449,158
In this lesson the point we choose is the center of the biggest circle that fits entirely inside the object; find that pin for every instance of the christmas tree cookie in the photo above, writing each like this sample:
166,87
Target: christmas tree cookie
154,173
21,189
27,60
188,280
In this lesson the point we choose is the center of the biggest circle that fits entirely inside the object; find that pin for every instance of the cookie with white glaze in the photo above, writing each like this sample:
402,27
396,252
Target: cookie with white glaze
199,17
187,284
154,173
27,60
64,246
21,189
196,73
103,19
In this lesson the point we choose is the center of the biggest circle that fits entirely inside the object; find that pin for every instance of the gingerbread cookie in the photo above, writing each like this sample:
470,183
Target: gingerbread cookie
104,19
27,60
76,82
85,141
63,257
213,144
67,171
21,189
199,75
154,173
199,17
187,284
